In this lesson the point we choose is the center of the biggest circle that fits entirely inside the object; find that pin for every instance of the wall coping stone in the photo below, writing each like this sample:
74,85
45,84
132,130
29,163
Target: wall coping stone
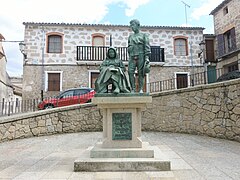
22,116
198,87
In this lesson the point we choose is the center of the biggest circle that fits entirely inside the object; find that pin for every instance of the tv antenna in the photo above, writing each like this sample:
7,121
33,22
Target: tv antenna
186,5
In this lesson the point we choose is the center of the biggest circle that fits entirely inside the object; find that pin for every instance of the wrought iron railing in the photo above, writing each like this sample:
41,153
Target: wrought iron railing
188,81
98,53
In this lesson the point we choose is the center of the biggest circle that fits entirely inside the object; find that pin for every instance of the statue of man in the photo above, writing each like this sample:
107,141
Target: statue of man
139,51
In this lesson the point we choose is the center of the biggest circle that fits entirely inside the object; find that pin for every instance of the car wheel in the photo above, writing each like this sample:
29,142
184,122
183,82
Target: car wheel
89,101
48,106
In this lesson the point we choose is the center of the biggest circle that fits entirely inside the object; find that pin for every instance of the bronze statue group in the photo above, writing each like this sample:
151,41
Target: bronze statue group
112,69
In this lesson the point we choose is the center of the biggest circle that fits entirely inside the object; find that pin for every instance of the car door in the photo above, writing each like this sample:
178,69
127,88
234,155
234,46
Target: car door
66,98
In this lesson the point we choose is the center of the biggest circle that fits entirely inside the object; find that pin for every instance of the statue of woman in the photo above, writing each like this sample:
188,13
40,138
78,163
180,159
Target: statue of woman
112,72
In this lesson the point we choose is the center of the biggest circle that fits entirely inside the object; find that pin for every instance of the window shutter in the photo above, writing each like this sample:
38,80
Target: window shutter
220,41
155,54
233,39
53,81
210,51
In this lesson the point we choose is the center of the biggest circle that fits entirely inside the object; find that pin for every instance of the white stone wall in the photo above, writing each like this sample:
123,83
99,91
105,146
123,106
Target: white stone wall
3,62
75,74
79,35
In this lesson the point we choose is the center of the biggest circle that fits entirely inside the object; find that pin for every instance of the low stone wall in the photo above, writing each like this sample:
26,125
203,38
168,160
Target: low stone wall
77,118
212,110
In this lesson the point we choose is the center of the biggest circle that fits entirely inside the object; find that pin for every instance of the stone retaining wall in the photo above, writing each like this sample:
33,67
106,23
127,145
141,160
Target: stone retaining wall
212,110
77,118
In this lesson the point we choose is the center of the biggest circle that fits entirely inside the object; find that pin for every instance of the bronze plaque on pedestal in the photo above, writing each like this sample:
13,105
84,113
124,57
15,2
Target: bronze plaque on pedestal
121,126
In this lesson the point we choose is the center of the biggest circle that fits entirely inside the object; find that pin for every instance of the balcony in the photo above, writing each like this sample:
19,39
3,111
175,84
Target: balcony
98,53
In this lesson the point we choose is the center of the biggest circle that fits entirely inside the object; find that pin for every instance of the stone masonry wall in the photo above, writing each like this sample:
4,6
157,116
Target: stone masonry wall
81,35
80,75
224,22
212,110
77,118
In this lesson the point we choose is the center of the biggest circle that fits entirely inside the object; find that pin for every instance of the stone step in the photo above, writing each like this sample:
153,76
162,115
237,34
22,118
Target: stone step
98,151
121,164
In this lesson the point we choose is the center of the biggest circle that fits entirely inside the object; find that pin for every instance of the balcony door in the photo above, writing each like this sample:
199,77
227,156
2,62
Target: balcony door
98,42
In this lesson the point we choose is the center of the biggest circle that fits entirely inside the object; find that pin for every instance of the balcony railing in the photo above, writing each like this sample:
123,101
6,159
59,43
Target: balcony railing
98,53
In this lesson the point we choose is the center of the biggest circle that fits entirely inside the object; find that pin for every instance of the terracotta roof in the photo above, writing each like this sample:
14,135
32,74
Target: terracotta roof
110,25
219,7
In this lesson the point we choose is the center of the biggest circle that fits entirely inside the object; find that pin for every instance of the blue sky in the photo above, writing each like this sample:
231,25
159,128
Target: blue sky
150,12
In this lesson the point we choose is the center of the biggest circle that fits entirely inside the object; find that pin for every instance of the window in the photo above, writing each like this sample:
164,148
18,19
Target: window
232,67
79,92
180,46
54,43
53,81
98,39
181,80
93,77
210,56
226,42
157,54
225,10
66,94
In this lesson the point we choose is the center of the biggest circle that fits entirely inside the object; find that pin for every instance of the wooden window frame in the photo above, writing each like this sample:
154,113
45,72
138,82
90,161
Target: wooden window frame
46,79
47,42
186,45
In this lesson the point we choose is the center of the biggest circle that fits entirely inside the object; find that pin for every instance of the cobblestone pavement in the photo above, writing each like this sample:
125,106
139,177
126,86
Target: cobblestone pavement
52,157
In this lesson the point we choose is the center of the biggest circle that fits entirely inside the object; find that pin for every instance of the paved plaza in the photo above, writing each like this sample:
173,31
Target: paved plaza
52,157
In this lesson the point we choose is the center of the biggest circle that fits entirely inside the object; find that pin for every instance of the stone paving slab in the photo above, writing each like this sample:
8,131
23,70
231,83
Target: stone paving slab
52,157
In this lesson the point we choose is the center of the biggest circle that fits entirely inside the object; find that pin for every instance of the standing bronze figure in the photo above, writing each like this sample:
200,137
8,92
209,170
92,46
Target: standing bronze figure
139,51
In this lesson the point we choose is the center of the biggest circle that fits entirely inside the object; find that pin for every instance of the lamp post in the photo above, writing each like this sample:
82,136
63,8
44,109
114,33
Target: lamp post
202,45
22,49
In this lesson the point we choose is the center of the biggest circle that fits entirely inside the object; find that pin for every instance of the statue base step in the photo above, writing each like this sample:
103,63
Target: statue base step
100,152
129,159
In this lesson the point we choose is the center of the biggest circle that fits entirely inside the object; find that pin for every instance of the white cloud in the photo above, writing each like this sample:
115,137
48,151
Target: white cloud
14,12
133,5
205,9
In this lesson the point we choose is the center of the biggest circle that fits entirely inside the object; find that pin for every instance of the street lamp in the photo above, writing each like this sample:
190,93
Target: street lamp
22,49
202,45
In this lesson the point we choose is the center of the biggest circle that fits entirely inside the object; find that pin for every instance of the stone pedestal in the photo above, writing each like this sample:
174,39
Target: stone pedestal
121,148
122,120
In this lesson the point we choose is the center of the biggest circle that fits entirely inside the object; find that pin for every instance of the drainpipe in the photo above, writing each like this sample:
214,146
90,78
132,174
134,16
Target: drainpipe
42,73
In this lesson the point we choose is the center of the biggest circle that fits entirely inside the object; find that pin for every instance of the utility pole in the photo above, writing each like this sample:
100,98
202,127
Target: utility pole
186,5
190,45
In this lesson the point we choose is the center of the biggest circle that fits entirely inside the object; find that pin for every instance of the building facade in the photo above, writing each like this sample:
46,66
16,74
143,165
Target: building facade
6,88
227,31
62,56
